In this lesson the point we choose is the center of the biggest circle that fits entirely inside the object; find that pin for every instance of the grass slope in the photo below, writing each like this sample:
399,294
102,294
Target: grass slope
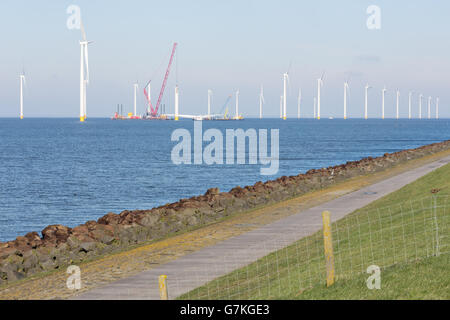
405,233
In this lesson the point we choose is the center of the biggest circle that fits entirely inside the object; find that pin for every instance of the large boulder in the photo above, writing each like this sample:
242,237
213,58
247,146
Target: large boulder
56,233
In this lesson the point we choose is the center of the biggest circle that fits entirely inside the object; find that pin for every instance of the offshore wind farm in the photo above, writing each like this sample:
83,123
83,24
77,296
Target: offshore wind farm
153,147
156,112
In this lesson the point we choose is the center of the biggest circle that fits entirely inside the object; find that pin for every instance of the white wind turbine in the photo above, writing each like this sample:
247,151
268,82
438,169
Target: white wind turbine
398,104
367,87
383,93
409,105
346,89
285,83
176,102
84,73
22,83
429,107
299,102
209,103
437,108
319,85
420,105
261,101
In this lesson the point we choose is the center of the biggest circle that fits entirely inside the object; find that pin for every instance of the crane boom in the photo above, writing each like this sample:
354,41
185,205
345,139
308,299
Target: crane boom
225,104
155,111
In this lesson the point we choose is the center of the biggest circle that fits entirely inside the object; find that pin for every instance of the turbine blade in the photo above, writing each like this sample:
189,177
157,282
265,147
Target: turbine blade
83,33
323,75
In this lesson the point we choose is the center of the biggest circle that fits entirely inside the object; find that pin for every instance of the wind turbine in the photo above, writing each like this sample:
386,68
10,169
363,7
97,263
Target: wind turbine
409,105
346,89
149,97
429,107
22,83
135,98
383,93
84,73
299,101
261,101
176,102
285,82
367,87
437,108
420,105
398,104
209,103
319,85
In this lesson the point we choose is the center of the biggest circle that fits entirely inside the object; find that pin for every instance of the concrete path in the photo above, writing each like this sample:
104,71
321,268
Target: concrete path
196,269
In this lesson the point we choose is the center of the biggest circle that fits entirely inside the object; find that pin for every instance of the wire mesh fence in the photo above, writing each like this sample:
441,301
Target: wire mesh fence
384,237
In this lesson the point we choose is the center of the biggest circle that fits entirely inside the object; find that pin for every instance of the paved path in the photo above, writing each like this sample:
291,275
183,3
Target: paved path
196,269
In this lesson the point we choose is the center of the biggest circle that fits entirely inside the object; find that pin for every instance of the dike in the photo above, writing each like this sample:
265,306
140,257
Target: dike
60,246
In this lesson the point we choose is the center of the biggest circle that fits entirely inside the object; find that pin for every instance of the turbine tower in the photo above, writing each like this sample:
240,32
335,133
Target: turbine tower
409,105
346,88
367,87
398,104
437,108
22,82
383,93
299,101
261,101
319,85
429,107
285,80
84,73
135,98
209,103
176,103
420,105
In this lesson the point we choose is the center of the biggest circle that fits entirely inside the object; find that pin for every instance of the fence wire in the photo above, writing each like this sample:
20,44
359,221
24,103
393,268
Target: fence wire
384,237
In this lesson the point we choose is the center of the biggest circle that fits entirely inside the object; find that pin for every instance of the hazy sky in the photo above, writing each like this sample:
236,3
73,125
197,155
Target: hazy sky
224,46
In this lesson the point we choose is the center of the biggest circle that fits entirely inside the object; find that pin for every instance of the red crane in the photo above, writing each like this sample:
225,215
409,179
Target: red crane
154,112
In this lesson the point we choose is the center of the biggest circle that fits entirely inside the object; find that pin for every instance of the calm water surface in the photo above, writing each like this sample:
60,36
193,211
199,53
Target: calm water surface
61,171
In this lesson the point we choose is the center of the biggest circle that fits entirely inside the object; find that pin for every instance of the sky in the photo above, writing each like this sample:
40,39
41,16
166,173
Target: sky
225,46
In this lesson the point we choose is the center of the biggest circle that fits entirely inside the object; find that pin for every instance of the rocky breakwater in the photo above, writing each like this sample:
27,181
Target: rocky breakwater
60,246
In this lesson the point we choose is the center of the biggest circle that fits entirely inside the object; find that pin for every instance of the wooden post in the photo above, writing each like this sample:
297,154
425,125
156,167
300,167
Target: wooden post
328,246
163,292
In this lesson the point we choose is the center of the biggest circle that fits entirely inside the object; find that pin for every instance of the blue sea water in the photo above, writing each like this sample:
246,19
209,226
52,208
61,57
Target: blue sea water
61,171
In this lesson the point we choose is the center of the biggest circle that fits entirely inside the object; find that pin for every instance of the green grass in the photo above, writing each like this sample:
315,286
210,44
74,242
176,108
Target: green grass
405,233
423,279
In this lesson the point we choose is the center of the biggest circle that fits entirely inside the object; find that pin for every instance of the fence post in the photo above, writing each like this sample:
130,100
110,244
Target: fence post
163,292
328,246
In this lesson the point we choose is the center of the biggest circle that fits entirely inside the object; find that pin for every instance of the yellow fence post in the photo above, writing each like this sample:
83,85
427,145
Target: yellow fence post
328,245
163,287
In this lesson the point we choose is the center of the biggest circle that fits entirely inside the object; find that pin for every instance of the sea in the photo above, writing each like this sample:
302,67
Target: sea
62,171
